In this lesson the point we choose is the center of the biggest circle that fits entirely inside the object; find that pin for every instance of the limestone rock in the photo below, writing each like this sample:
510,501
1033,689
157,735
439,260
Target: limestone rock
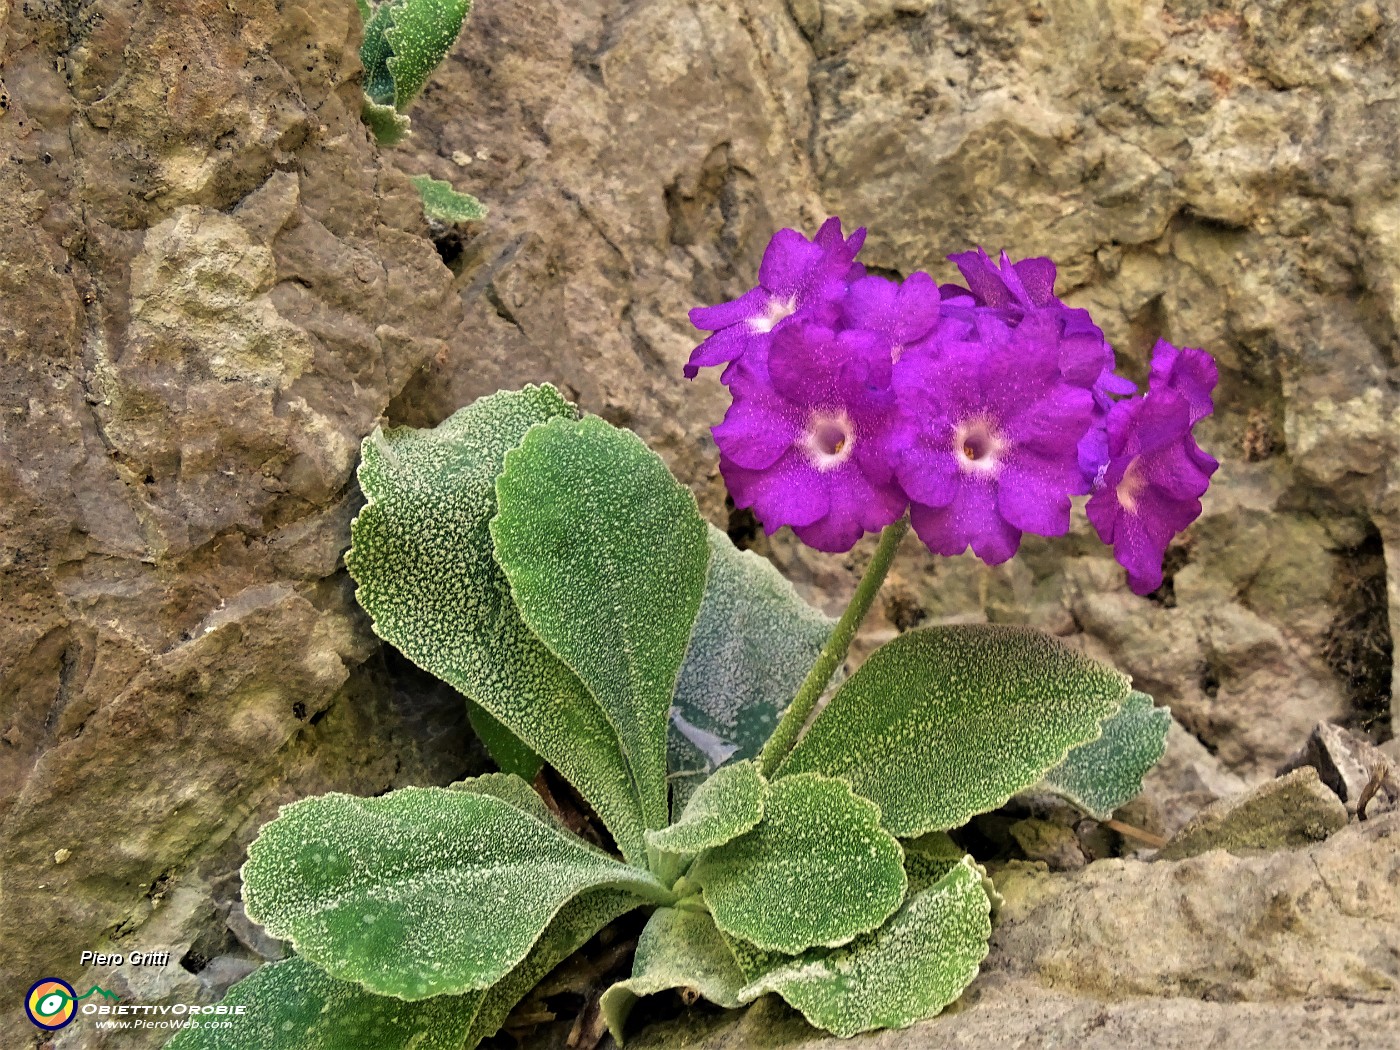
1361,775
1003,1012
1294,810
213,286
1319,922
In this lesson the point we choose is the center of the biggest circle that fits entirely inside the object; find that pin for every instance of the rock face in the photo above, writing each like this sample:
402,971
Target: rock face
213,284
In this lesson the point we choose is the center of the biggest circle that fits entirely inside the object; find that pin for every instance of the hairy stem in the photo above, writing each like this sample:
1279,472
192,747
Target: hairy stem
833,654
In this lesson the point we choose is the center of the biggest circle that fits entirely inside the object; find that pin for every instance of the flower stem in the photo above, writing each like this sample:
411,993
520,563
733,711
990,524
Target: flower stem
833,654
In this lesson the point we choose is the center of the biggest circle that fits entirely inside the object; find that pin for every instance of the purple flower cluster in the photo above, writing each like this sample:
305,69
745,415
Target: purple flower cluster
979,410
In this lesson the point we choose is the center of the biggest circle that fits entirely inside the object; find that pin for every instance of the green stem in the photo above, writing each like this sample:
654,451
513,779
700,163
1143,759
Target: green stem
833,654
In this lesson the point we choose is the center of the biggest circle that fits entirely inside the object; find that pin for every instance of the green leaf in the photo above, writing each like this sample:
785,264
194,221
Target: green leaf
1103,774
679,948
388,124
508,751
422,33
818,869
724,807
928,858
365,9
422,557
575,924
423,891
508,788
909,969
944,723
443,203
295,1005
374,56
606,555
753,643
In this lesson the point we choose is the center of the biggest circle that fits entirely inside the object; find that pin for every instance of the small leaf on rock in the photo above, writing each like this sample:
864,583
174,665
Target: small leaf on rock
943,723
817,870
445,204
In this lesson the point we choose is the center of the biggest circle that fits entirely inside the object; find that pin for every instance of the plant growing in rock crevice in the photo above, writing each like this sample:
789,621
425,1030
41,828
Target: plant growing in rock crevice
546,564
404,41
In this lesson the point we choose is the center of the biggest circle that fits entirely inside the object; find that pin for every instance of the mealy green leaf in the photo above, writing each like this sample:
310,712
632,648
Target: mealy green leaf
509,788
754,642
817,870
943,723
422,33
365,9
422,557
443,203
679,948
423,891
722,808
575,924
1103,774
295,1005
374,56
388,124
909,969
606,555
928,858
508,751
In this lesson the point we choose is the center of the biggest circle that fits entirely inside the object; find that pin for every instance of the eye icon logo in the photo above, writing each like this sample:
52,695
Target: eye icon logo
51,1003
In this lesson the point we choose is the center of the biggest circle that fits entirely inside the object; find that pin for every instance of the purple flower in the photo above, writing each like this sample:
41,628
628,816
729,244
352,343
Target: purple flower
1027,284
1019,289
798,280
1156,473
903,312
805,443
990,429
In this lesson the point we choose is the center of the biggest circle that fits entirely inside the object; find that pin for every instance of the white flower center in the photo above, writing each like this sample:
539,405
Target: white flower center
829,439
777,310
1130,488
978,446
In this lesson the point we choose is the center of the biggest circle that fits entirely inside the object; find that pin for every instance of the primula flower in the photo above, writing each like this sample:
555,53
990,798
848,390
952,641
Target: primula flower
1019,289
1156,473
903,312
990,428
799,280
805,443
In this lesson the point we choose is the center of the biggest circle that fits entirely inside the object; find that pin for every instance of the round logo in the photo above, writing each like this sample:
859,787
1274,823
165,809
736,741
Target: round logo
51,1003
